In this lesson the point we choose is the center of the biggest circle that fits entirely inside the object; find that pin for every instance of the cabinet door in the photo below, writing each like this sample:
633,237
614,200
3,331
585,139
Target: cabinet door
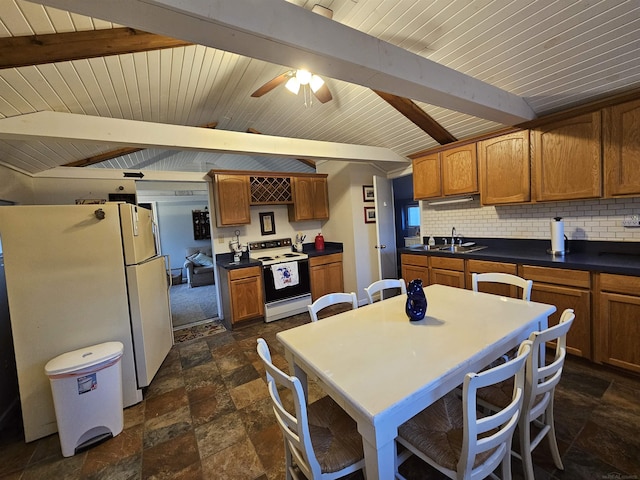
326,278
426,177
310,199
567,159
247,301
505,170
621,134
411,272
619,330
579,336
232,200
446,277
484,266
459,170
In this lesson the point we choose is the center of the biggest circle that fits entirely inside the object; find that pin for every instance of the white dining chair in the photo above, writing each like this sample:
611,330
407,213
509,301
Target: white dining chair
505,278
451,436
380,286
320,440
541,381
329,300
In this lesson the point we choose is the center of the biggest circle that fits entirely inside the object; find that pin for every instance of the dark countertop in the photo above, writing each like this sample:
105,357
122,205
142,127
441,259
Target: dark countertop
225,260
608,257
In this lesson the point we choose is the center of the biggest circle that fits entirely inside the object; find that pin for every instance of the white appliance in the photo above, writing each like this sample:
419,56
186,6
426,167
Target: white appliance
287,301
77,276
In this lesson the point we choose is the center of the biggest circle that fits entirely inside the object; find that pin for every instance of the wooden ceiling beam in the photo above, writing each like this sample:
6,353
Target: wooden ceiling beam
63,47
119,152
418,116
309,163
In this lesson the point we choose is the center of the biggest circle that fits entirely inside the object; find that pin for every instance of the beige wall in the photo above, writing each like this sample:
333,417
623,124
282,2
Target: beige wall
15,186
65,191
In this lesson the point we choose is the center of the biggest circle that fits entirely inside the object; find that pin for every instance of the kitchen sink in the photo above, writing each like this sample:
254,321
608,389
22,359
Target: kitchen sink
425,247
461,248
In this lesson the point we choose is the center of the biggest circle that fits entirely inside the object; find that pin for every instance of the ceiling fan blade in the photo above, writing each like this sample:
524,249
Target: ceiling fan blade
323,94
271,84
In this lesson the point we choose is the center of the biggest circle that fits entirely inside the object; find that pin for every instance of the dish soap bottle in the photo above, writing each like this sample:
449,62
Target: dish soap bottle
432,241
319,242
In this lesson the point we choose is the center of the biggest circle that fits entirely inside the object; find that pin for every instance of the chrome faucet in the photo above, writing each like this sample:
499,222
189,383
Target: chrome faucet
453,236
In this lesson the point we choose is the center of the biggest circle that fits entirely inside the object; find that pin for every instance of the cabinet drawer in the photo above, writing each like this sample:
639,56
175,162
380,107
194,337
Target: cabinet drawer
485,266
417,260
620,284
456,264
239,273
557,276
324,259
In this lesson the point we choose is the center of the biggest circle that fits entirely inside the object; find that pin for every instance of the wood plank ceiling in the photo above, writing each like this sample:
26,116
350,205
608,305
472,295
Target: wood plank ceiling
554,54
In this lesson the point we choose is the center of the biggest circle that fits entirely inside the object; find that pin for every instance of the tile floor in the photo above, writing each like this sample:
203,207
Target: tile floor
207,416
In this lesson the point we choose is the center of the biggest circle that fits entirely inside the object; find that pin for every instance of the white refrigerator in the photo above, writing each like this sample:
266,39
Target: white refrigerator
79,275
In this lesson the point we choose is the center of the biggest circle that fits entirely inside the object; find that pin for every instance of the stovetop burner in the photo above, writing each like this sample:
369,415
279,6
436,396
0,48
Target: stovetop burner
274,251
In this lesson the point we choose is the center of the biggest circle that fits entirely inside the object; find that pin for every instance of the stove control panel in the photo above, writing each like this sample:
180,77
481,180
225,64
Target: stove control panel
280,243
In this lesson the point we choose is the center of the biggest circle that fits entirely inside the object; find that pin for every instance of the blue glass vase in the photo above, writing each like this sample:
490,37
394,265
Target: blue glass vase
416,307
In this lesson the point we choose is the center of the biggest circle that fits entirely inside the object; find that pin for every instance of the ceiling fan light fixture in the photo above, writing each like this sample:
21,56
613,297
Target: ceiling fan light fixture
303,76
293,85
315,83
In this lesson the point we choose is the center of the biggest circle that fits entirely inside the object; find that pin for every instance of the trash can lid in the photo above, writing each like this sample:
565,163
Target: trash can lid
84,358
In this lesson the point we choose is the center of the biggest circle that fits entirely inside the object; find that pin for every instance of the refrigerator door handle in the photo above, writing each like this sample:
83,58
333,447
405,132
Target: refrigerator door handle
134,221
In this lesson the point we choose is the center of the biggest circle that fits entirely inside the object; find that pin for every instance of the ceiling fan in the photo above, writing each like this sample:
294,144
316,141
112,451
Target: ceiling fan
294,81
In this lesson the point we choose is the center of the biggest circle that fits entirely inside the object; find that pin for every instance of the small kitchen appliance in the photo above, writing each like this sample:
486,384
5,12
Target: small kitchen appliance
558,238
282,298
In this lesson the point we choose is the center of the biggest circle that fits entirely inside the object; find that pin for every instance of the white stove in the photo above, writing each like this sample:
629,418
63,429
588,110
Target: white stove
282,301
274,251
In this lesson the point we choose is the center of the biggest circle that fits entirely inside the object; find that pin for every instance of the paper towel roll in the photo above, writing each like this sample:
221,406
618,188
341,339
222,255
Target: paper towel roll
557,235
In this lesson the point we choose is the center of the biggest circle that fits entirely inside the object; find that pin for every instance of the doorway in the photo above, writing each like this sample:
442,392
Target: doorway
408,214
173,205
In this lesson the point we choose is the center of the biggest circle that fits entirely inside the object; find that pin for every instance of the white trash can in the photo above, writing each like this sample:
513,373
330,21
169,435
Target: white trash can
87,395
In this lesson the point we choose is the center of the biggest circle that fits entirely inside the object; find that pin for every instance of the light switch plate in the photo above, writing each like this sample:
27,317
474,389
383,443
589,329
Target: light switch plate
631,221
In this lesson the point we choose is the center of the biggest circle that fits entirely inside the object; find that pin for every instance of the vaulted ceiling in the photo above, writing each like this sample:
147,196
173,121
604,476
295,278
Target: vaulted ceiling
425,73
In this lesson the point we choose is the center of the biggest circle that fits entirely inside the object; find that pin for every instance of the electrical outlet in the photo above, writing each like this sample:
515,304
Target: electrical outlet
221,239
631,221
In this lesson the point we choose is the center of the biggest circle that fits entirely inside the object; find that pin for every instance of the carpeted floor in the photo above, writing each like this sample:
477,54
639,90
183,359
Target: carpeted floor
192,305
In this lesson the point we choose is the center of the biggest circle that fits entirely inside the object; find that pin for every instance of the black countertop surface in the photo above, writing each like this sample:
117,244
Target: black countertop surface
609,257
225,260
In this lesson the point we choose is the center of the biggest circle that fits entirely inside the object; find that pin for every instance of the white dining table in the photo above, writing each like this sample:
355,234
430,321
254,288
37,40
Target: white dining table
383,369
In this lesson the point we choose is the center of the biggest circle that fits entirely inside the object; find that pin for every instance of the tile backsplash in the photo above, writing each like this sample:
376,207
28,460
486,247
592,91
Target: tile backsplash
583,220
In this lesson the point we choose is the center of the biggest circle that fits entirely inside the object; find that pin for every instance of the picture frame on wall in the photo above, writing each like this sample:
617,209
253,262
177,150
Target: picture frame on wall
267,223
369,214
368,195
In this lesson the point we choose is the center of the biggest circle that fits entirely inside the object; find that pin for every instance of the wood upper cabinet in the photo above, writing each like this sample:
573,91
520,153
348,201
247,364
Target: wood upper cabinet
232,197
415,266
567,159
310,199
325,274
565,289
621,136
505,169
459,170
617,324
427,180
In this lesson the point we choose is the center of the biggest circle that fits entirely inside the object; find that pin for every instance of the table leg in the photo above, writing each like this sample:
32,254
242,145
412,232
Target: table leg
379,453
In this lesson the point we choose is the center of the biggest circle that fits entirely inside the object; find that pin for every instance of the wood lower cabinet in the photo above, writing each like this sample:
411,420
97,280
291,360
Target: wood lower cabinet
415,267
325,274
617,323
484,266
565,289
310,199
242,294
446,271
232,196
505,170
621,137
567,159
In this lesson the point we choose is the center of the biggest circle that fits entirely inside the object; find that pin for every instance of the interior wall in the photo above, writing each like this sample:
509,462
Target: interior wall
583,220
65,191
347,225
15,186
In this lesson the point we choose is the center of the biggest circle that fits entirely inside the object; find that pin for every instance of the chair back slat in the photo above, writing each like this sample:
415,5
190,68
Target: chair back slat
504,278
329,300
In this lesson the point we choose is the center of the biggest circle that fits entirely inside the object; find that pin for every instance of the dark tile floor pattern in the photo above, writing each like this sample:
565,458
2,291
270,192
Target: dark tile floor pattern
206,415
